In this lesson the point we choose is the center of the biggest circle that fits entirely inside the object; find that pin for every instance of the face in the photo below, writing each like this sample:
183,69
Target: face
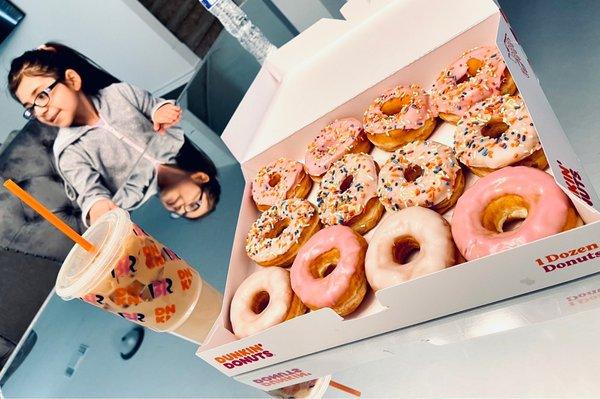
187,198
62,106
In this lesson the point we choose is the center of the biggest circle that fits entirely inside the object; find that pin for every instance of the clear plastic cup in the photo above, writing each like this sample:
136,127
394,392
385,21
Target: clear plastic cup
135,277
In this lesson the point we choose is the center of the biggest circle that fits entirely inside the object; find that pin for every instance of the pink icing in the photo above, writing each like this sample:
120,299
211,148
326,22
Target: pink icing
449,96
411,116
436,184
290,173
335,140
547,214
325,292
513,145
336,206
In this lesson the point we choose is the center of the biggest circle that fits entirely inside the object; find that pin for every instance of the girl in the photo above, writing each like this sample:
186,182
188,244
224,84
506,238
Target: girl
117,145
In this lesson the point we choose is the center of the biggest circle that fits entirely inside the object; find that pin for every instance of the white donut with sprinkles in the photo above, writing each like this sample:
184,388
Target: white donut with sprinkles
498,132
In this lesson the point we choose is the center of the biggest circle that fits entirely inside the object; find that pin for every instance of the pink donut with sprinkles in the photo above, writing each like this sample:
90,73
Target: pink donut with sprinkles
423,173
498,132
348,194
279,180
478,74
338,138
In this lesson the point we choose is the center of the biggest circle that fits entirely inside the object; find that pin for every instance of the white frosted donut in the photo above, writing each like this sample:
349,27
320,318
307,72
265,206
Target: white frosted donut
400,234
263,300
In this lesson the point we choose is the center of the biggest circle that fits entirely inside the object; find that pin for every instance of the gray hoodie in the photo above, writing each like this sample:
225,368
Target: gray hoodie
108,161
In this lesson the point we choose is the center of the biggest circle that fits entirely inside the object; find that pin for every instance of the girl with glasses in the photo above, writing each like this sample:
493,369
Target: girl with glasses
117,145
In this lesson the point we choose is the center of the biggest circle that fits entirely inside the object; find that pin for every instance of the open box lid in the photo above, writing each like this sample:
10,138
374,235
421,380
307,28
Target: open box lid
326,65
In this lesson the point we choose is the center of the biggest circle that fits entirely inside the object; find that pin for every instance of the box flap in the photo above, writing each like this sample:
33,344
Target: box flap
328,78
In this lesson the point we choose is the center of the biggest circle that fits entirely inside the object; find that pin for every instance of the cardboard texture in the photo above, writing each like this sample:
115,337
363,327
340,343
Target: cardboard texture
334,70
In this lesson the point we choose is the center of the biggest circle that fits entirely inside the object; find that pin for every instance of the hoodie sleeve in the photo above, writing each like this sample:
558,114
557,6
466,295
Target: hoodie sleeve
142,99
84,179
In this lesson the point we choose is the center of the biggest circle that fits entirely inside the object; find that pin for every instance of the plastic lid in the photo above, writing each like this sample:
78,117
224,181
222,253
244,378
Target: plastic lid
82,270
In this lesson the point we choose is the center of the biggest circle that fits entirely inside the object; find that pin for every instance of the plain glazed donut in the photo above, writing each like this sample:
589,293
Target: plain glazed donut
399,116
475,76
398,236
498,132
348,194
507,194
425,173
263,300
341,289
279,180
340,137
274,239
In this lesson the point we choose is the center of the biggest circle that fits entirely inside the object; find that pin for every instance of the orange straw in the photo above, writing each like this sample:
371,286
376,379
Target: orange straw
49,216
344,388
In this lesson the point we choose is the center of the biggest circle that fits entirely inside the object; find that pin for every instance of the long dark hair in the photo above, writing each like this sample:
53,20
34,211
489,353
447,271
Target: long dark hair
53,59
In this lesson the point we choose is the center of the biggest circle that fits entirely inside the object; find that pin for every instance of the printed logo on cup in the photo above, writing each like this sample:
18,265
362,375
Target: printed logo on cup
185,277
278,378
572,257
94,299
574,183
250,354
164,314
138,231
154,257
160,288
140,317
124,266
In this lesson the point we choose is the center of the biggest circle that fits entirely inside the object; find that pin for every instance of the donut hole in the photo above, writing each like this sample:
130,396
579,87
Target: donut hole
395,105
260,302
346,183
277,228
494,128
505,213
473,67
405,249
412,172
274,179
324,264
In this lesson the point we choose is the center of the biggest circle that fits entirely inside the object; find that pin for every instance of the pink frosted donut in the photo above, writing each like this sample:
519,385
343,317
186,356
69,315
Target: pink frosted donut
340,137
279,180
399,116
478,74
400,234
263,300
341,289
507,194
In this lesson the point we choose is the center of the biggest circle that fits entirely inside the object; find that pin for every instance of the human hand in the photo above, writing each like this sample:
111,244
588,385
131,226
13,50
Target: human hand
166,116
100,208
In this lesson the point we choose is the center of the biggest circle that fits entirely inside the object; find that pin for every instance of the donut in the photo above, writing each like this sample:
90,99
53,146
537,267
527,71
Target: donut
511,193
329,271
423,173
498,132
279,180
263,300
399,116
340,137
389,262
348,194
478,74
274,238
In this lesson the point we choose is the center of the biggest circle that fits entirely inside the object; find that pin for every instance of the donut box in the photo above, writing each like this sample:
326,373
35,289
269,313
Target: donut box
334,70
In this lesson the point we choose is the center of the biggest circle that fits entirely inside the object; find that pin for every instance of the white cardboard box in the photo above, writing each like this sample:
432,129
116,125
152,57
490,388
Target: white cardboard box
334,70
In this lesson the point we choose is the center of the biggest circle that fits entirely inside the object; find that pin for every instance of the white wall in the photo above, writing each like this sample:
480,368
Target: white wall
120,35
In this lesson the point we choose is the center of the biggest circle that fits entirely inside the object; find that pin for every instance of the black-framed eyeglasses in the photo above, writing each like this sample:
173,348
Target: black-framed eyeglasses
41,100
194,206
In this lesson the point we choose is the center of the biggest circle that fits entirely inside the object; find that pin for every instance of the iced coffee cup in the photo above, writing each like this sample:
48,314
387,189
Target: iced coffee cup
135,277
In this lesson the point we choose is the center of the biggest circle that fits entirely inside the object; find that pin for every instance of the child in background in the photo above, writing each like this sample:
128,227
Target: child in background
117,145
